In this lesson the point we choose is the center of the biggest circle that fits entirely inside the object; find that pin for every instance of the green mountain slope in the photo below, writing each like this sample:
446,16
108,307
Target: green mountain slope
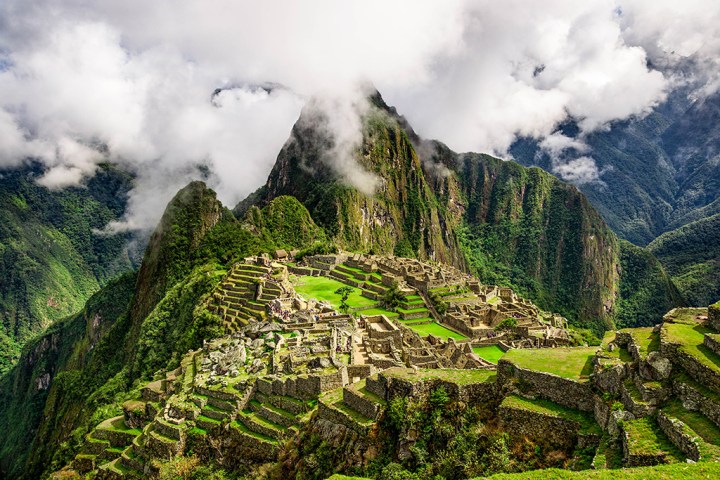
83,367
51,260
691,255
658,172
511,225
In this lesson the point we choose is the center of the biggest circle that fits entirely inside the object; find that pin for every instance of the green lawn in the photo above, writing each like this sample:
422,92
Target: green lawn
645,339
698,471
571,362
491,353
690,337
437,330
646,438
378,311
323,288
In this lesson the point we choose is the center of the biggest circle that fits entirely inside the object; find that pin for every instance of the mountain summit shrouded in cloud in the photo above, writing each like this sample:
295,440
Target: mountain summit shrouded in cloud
167,89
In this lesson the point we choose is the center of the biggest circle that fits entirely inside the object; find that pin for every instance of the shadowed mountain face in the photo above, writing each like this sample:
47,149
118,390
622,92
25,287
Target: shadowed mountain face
658,173
509,224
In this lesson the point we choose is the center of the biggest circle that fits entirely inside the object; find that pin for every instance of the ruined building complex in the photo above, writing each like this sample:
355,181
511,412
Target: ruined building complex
291,362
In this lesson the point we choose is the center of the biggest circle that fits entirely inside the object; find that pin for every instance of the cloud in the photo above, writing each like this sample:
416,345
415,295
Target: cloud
682,37
176,90
578,171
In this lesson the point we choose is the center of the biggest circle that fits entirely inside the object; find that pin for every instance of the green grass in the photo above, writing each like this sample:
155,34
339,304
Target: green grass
690,337
646,438
334,398
437,330
491,353
585,420
698,422
378,311
460,377
323,288
685,315
574,363
645,339
699,471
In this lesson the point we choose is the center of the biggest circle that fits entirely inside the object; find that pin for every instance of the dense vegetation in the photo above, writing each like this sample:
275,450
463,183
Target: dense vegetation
691,255
51,259
82,369
450,441
658,172
660,185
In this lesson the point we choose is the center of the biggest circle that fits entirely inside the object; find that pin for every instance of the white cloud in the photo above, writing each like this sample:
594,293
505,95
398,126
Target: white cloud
133,81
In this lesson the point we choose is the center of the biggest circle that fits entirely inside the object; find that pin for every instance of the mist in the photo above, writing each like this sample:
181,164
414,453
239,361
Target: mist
179,90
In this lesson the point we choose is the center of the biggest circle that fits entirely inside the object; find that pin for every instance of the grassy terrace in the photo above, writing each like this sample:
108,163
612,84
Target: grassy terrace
323,288
646,438
574,363
645,339
334,398
700,425
618,354
460,377
491,353
690,337
437,330
118,424
378,311
704,471
686,315
544,407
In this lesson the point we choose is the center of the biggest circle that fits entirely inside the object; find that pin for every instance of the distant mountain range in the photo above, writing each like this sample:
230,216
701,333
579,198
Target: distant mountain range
659,173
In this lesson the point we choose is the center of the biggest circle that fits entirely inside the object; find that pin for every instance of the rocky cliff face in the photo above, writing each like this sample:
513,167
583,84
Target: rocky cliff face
509,224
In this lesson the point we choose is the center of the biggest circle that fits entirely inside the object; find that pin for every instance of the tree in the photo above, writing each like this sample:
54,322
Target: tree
393,297
344,293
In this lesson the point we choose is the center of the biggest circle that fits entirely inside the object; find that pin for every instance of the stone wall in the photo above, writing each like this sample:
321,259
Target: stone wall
482,394
610,378
680,435
360,404
714,316
359,371
332,415
712,341
557,432
238,448
701,373
696,401
377,386
303,387
563,391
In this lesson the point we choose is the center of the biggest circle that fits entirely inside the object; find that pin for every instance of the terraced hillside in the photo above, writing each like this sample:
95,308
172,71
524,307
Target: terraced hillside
243,295
646,396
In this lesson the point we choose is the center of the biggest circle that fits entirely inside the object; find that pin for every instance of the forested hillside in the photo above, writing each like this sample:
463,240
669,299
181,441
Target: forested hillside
51,258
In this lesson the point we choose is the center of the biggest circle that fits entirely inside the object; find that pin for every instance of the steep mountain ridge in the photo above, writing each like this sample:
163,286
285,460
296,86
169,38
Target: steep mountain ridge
86,365
513,226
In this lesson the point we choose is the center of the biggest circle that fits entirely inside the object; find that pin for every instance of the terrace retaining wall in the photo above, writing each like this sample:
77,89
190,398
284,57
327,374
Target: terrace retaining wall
563,391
